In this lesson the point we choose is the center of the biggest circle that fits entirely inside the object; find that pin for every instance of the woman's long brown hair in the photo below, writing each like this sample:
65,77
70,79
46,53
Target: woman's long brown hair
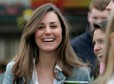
66,57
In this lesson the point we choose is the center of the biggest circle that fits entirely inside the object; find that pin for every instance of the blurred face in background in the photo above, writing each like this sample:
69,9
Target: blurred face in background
96,16
99,44
110,5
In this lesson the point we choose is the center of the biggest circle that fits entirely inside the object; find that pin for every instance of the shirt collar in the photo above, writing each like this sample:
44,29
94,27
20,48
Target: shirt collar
58,67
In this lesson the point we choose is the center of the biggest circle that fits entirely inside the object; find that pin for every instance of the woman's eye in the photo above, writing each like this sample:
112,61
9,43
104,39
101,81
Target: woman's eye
101,41
95,18
53,26
41,27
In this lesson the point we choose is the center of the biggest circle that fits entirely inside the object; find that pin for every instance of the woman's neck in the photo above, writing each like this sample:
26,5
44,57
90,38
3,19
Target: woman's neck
46,60
45,68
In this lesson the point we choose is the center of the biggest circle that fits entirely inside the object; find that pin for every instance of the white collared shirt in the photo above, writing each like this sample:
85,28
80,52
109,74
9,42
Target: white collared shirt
35,76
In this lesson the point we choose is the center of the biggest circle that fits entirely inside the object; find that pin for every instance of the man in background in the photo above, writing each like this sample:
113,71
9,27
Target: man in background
82,44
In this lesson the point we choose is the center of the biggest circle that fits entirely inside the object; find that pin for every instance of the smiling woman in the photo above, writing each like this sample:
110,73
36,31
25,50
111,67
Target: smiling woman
98,35
45,52
49,34
108,75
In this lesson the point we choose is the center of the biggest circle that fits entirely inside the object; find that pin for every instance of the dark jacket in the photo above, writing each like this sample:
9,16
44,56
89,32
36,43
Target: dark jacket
83,47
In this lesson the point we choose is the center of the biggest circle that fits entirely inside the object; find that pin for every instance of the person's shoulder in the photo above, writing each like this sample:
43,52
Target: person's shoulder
84,36
82,73
79,74
81,69
10,66
11,63
80,38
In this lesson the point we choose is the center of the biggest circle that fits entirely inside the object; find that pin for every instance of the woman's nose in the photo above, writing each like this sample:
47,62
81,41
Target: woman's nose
47,31
96,47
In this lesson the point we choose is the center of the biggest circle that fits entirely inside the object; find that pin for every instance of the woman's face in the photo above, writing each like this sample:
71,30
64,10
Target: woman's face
49,34
99,44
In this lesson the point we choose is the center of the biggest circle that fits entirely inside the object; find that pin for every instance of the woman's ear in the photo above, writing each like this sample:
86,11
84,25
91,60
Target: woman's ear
111,37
